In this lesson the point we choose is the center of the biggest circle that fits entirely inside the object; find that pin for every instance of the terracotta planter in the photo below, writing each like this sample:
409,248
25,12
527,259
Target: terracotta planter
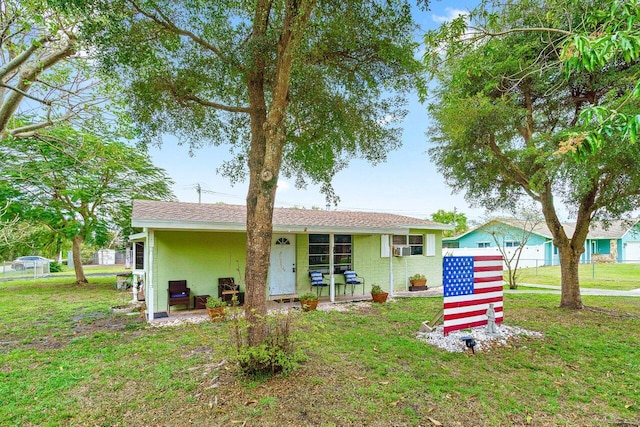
380,298
419,282
216,314
309,304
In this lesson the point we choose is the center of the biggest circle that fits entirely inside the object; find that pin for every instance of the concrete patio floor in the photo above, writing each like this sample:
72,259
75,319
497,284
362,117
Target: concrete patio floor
178,316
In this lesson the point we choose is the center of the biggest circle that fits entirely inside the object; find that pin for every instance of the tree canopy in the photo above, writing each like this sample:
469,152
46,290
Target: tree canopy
455,218
45,78
589,36
505,105
296,87
80,186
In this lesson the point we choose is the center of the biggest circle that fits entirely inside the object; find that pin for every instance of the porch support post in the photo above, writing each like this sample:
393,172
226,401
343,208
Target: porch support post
332,282
391,265
150,298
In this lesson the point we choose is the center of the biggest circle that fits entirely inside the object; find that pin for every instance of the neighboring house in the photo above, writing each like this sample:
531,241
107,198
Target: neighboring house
613,241
203,242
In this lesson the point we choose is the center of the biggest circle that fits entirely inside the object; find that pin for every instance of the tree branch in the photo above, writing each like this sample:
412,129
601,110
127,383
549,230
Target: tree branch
26,94
185,96
487,33
165,22
26,77
17,61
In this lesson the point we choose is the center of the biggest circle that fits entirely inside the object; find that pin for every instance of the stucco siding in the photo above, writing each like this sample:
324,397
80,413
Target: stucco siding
200,258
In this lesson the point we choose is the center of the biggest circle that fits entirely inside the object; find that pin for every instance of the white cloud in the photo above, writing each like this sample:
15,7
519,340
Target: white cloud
283,185
450,15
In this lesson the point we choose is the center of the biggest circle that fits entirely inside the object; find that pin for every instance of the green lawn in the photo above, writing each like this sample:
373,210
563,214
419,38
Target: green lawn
65,360
623,277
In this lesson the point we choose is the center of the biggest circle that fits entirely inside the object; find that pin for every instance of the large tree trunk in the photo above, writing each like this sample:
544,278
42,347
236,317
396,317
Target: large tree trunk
265,158
265,155
77,261
569,248
569,264
260,201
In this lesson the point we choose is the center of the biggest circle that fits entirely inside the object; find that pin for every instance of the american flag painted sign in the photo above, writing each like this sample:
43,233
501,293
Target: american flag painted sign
470,283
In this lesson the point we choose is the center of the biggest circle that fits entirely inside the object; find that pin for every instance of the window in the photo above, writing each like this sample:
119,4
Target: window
139,251
414,241
450,245
484,244
511,244
319,252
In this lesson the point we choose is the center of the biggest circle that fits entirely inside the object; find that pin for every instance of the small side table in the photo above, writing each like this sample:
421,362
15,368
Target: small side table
200,302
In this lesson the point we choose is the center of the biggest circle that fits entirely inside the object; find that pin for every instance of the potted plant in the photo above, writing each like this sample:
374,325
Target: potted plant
378,294
216,308
418,280
309,301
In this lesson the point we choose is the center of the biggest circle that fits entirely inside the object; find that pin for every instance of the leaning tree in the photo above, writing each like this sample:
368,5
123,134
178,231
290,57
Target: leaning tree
505,106
297,87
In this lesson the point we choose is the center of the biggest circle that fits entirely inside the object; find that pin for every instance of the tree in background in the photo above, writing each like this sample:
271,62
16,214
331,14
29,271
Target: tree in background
455,218
79,185
505,105
511,235
296,87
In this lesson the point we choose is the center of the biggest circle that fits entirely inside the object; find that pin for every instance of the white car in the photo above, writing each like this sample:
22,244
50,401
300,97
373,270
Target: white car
24,262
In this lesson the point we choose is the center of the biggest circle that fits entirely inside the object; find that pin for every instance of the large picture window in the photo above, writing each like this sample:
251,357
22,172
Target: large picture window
319,253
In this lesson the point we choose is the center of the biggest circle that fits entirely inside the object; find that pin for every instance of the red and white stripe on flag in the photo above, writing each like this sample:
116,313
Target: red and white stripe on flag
470,283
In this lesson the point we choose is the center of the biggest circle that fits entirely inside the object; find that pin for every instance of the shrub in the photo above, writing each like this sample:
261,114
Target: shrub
277,354
55,267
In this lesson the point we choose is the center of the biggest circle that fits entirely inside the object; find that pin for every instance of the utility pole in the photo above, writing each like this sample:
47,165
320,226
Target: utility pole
455,224
199,190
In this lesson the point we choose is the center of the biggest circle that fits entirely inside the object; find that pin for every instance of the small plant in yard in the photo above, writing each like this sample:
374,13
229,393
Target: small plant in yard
309,296
214,302
378,294
376,289
417,276
277,354
309,301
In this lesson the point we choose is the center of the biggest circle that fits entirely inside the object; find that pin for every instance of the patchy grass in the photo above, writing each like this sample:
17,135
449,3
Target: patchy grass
623,277
65,360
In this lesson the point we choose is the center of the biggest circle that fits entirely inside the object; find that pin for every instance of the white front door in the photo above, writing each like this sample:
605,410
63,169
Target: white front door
282,271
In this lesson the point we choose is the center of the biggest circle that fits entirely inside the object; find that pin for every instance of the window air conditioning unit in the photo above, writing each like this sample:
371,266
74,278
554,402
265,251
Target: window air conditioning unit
401,250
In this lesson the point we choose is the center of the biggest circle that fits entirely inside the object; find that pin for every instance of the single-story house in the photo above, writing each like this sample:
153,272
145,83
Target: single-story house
612,241
201,243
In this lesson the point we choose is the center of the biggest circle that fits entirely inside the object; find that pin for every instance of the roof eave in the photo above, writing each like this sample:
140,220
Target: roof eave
189,225
277,228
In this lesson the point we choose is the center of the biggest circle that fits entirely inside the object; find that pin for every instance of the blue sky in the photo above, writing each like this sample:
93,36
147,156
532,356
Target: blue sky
407,183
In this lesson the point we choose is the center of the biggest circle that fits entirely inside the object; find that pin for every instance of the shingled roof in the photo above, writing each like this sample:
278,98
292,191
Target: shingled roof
180,215
614,229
